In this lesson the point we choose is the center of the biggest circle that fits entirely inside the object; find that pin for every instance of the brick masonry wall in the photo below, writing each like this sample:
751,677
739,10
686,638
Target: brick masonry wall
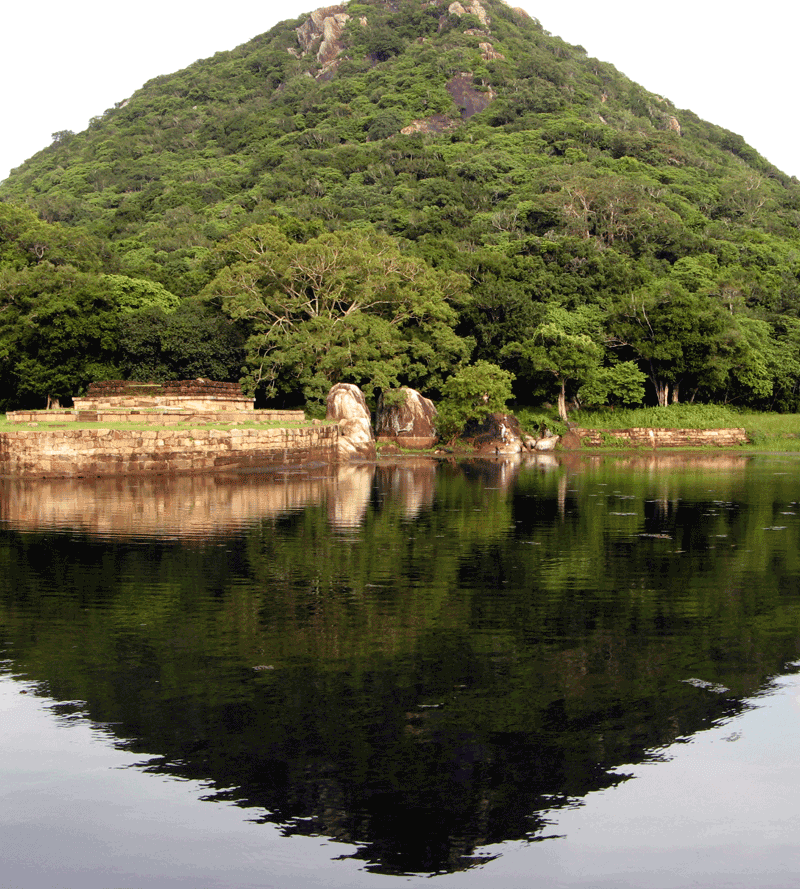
98,452
660,438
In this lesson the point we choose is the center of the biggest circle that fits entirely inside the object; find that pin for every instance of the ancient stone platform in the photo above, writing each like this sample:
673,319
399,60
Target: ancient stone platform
172,402
44,451
52,453
198,395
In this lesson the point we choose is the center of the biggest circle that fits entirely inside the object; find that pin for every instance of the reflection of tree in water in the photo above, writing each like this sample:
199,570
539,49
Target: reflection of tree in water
437,685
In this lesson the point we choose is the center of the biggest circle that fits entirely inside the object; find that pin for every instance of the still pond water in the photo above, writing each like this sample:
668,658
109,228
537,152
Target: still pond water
578,672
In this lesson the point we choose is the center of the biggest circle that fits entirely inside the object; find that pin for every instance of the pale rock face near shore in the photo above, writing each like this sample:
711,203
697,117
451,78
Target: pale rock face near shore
346,404
356,439
346,401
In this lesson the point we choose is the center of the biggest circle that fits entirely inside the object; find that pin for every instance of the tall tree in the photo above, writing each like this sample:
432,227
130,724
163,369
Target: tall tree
564,346
343,307
686,339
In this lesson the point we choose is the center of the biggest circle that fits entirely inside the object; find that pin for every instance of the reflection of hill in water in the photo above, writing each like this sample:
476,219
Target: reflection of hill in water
471,656
419,788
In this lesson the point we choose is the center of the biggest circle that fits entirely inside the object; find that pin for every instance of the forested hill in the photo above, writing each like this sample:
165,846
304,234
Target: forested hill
386,192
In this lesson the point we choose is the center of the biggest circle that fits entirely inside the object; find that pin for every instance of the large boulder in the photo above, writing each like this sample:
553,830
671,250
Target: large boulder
346,401
410,424
570,441
347,406
356,440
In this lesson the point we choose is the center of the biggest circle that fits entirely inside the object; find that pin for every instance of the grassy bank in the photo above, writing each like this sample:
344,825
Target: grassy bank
766,431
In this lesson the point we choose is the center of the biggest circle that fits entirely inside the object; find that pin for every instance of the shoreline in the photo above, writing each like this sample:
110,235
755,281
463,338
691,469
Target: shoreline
102,451
83,448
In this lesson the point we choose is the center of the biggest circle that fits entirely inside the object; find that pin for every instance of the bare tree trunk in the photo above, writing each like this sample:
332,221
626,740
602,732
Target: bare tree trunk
562,402
662,392
675,393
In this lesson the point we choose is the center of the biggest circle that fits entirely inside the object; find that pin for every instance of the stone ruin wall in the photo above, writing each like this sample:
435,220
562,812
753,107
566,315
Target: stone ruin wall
43,450
657,438
169,387
162,416
51,453
144,402
172,402
196,395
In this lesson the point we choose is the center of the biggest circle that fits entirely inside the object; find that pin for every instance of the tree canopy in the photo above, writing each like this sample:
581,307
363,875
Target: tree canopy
342,307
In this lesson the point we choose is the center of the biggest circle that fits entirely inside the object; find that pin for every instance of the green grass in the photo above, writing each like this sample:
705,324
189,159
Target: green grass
532,418
674,416
766,431
772,432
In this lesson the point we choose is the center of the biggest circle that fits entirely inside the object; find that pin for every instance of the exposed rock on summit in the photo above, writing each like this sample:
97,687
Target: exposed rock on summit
436,123
323,30
473,8
321,34
489,53
468,99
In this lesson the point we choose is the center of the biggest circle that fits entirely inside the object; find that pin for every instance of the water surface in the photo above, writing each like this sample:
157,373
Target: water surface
576,672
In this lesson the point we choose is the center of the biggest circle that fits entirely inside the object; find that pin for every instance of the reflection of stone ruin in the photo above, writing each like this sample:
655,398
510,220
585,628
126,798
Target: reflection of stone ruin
179,506
200,506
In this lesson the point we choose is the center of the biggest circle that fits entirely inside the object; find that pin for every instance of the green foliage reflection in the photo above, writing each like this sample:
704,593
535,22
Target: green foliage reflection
448,652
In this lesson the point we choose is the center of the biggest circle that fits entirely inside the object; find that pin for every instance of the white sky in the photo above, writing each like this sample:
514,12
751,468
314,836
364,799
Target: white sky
730,62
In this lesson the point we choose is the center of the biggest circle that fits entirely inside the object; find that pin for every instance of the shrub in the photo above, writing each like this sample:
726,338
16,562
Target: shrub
471,394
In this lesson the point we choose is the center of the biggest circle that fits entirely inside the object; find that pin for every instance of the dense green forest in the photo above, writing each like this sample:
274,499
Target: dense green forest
388,193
